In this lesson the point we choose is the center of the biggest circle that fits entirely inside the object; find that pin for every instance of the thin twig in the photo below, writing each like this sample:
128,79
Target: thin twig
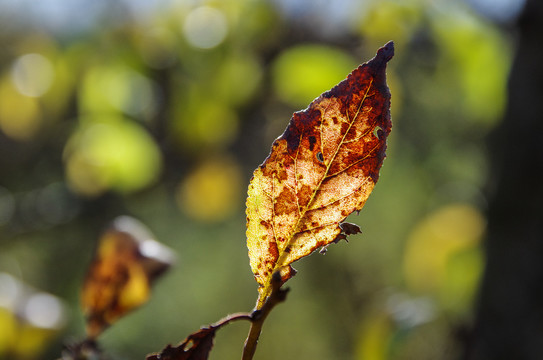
198,344
232,317
258,316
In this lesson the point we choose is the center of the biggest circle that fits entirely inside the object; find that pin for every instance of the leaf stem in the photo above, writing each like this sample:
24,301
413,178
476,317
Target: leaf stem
249,348
258,316
232,317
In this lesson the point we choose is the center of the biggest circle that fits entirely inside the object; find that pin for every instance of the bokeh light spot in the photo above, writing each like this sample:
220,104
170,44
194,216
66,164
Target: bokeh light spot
205,123
205,27
435,240
116,154
302,73
212,192
116,88
44,311
238,79
10,290
20,116
478,55
32,74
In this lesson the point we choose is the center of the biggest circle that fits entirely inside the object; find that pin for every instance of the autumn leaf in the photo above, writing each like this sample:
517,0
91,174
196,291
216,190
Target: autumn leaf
321,169
126,262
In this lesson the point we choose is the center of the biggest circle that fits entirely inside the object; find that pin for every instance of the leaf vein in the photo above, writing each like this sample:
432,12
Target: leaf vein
334,201
280,260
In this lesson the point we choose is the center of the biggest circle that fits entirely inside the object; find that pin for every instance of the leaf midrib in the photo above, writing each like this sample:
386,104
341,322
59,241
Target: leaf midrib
324,177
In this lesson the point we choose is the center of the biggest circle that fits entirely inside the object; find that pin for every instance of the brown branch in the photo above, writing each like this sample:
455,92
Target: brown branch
199,344
232,317
258,316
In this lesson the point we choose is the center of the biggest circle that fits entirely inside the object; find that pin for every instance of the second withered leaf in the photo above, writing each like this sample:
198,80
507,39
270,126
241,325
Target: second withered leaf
126,262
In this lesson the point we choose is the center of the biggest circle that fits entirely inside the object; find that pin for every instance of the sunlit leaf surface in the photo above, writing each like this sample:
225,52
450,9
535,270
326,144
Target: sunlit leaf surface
319,171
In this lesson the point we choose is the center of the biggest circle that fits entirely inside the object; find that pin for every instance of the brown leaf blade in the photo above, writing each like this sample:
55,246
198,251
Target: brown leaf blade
321,169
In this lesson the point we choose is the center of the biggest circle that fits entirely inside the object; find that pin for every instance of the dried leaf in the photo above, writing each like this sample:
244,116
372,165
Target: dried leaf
198,345
319,171
349,229
195,347
126,262
346,229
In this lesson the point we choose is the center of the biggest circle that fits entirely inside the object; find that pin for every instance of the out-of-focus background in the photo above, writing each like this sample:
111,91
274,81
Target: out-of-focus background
162,109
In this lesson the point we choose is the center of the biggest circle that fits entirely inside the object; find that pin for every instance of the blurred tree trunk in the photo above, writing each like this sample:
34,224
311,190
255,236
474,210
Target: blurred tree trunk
509,319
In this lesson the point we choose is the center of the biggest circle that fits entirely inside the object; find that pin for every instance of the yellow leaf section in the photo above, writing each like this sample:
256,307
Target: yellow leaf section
319,171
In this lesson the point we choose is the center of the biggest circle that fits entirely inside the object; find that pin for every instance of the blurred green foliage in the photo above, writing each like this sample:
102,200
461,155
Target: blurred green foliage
303,72
163,115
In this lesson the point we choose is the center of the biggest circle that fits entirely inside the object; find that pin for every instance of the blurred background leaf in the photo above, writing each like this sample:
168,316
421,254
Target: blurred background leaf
126,263
163,109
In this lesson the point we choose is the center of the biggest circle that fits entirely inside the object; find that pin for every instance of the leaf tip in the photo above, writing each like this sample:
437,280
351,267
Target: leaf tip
387,51
383,56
